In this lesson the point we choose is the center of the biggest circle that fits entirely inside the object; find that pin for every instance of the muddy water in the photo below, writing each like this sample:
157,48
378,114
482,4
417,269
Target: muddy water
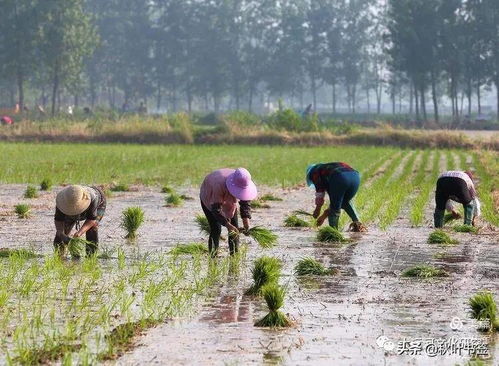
338,318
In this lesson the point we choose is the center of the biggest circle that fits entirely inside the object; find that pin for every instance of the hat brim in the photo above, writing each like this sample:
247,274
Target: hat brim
71,209
248,193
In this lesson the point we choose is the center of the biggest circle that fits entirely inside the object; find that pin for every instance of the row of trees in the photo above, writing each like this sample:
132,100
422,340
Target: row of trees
236,53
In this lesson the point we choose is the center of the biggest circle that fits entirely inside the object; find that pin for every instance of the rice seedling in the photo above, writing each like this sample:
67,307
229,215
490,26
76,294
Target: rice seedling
440,237
265,270
274,297
258,204
302,212
174,200
21,253
202,222
424,271
295,221
186,197
46,184
22,210
191,249
31,192
77,247
167,189
120,188
270,197
483,308
466,229
264,237
309,266
329,234
132,219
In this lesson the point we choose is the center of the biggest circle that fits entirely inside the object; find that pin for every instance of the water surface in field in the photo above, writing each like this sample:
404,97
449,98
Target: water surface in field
339,319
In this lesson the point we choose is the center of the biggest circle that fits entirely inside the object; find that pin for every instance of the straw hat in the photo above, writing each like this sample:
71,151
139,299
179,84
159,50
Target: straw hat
73,200
241,186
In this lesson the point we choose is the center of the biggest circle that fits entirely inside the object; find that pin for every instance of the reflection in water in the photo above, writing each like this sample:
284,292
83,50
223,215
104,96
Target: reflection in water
229,309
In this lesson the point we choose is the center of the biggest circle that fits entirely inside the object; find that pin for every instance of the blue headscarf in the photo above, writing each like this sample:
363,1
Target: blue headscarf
310,168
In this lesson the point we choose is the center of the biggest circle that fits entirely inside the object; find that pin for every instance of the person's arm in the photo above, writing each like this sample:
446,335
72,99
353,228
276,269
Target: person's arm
59,228
87,225
319,202
245,207
323,217
216,210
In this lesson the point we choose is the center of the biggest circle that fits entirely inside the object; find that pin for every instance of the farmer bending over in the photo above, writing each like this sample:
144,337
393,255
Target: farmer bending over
73,205
219,194
459,187
341,182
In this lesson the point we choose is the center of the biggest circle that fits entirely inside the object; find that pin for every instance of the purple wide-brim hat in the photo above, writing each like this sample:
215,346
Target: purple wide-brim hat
241,186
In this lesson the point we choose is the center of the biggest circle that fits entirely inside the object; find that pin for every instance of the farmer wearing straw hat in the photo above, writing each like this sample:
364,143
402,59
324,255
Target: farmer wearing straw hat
74,204
341,182
219,194
456,186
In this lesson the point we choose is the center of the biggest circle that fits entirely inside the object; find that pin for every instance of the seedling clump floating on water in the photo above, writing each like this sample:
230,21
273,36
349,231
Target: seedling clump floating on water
265,270
192,249
22,210
310,267
264,237
295,221
329,234
274,297
131,220
466,229
440,237
424,271
174,200
46,184
483,308
270,197
31,192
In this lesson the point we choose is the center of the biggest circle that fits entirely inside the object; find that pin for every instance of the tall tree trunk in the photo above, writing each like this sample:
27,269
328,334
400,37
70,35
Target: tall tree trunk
368,99
314,92
250,99
76,100
497,96
159,95
20,88
334,98
416,99
434,96
55,86
479,98
411,100
423,103
468,96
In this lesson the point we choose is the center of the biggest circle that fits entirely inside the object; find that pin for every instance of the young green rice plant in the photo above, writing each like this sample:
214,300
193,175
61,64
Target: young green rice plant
258,204
483,308
21,253
466,229
22,210
264,237
450,217
46,184
424,271
274,297
191,249
295,221
202,222
120,188
309,266
270,197
265,270
31,192
167,189
174,200
440,237
77,247
329,234
425,189
302,213
132,219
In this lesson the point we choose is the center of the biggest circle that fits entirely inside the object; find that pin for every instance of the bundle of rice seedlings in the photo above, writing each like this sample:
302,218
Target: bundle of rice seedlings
440,237
295,221
186,197
30,192
274,297
192,249
131,220
22,210
424,271
265,270
270,197
77,247
308,266
46,184
483,307
167,189
258,204
120,188
450,217
329,234
174,200
202,222
466,229
264,237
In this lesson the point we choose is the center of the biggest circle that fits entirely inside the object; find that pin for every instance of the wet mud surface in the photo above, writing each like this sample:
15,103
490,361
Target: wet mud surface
339,319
